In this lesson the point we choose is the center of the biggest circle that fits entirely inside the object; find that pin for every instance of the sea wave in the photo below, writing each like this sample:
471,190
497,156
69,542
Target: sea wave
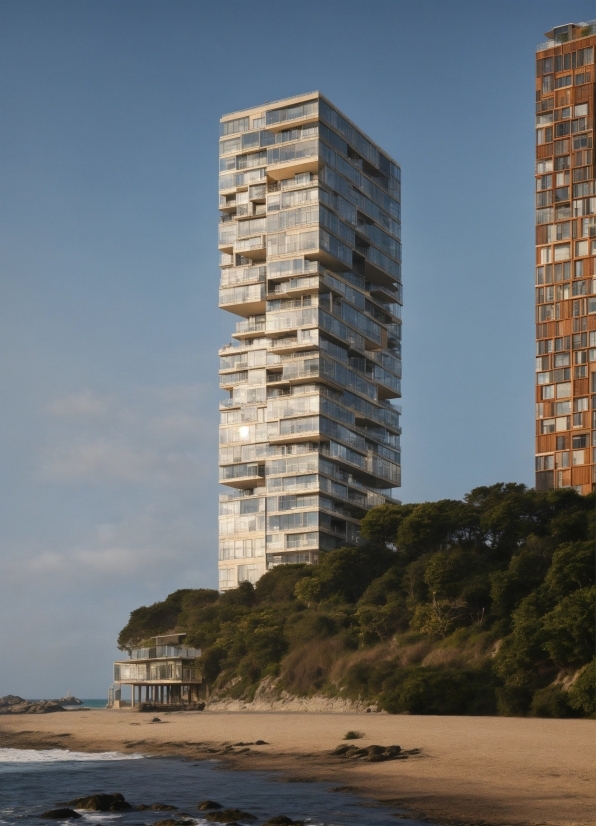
61,756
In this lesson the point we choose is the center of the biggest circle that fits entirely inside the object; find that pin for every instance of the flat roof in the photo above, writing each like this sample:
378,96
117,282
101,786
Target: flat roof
277,104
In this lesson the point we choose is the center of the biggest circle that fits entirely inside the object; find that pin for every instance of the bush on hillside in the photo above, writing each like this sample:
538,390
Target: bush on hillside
478,606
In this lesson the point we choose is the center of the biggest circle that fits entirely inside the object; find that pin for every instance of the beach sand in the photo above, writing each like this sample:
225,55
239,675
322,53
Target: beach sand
492,770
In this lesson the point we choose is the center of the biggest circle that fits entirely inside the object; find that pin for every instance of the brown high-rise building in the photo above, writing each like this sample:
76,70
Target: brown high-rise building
565,251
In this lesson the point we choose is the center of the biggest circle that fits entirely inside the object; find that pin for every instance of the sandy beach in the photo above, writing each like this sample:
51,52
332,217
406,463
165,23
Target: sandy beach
472,770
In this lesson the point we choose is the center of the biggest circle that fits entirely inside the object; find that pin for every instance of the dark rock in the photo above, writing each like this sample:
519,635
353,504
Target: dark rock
16,705
102,803
61,814
170,822
68,701
156,807
368,710
11,700
282,820
261,743
205,805
156,720
228,816
374,753
200,706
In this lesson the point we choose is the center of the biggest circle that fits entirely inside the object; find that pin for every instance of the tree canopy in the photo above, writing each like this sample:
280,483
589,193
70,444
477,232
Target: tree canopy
478,606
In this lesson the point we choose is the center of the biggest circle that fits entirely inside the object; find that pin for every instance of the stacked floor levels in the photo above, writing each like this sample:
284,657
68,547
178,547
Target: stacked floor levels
309,241
565,250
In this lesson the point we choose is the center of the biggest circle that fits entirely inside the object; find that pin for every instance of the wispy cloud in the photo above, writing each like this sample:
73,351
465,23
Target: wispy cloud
153,436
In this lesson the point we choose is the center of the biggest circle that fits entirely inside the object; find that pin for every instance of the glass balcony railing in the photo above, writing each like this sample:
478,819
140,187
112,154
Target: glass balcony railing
297,284
251,326
241,295
244,244
164,651
242,275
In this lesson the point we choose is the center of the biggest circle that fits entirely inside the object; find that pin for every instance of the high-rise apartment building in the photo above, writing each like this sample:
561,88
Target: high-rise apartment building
565,251
309,240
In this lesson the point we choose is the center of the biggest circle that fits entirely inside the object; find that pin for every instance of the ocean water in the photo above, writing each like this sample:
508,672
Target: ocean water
101,703
33,781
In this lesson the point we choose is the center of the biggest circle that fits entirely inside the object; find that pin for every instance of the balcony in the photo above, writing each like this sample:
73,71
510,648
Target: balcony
296,286
246,475
159,672
249,328
228,404
286,161
236,276
228,380
247,301
254,248
164,652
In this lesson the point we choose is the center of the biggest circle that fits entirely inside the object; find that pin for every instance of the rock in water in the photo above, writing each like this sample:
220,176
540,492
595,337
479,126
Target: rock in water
205,805
282,820
61,814
102,803
171,822
229,816
156,807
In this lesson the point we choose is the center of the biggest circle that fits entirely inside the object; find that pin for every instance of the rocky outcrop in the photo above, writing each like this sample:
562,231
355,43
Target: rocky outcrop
373,754
206,805
11,704
270,697
101,803
229,816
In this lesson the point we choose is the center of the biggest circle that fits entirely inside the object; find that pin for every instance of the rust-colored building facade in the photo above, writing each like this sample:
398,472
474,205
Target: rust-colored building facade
565,251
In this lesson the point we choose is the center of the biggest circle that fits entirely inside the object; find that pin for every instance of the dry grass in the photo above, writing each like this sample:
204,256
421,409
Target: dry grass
307,668
415,653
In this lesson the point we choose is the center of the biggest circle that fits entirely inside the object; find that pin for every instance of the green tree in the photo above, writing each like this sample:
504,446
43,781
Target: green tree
152,620
582,694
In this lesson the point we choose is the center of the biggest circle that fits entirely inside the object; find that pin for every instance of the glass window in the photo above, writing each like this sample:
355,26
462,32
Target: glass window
562,252
563,390
231,127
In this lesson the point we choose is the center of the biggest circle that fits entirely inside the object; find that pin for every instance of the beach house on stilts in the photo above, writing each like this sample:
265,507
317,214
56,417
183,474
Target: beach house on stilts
163,674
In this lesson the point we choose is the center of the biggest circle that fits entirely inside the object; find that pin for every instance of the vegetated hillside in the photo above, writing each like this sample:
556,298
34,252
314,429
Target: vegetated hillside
480,606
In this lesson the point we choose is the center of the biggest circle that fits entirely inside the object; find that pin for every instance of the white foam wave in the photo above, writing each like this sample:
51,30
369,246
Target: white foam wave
60,755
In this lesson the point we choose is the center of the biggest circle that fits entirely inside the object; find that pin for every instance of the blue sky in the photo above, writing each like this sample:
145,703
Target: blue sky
109,324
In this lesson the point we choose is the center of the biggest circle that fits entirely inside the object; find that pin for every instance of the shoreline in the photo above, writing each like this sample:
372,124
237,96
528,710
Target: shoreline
495,771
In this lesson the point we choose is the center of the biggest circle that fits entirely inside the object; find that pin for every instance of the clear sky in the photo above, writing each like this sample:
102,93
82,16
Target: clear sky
109,324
